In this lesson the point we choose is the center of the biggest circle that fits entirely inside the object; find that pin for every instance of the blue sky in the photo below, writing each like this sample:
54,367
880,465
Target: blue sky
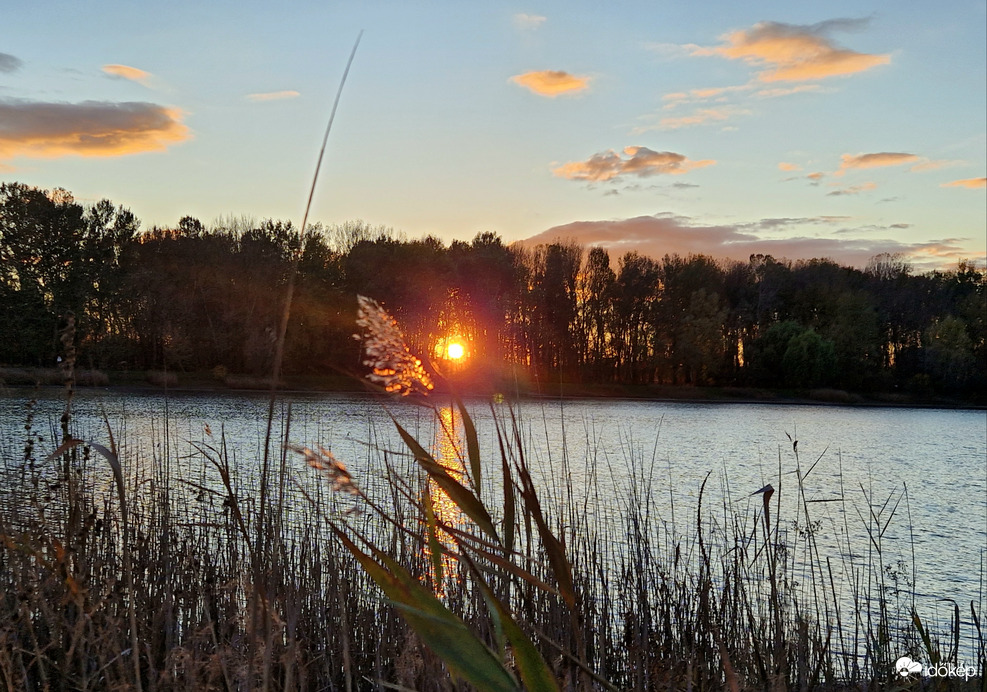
840,129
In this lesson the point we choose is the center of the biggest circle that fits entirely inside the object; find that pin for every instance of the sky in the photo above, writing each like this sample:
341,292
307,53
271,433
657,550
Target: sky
838,129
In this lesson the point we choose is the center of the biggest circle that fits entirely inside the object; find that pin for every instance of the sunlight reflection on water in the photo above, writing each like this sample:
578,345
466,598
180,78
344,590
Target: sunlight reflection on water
447,449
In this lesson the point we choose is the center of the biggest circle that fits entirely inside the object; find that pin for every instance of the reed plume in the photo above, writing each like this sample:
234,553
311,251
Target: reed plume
392,364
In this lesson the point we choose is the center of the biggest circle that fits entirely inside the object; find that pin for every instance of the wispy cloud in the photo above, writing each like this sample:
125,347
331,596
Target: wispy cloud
711,105
528,22
552,83
639,162
798,54
668,233
778,92
934,165
876,160
794,52
699,117
92,128
969,183
715,94
274,95
10,63
883,159
673,50
132,74
852,190
784,223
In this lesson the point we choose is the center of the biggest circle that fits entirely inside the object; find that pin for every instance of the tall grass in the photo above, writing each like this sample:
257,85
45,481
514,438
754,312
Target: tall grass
231,588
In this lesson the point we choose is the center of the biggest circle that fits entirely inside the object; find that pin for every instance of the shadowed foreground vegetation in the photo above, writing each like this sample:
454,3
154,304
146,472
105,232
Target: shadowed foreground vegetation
123,573
210,299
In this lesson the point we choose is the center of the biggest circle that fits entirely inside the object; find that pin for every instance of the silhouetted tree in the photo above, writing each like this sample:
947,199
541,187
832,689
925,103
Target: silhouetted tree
554,272
194,297
681,330
597,293
949,354
635,332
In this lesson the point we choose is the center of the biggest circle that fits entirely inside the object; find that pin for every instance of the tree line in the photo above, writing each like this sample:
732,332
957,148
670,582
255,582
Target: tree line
198,298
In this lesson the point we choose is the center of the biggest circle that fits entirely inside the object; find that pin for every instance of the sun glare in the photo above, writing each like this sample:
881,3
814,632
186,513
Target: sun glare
455,350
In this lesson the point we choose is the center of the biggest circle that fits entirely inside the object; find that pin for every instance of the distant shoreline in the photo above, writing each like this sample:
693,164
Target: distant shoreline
23,379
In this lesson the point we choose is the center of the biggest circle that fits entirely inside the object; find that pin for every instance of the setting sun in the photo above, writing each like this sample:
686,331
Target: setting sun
455,350
451,348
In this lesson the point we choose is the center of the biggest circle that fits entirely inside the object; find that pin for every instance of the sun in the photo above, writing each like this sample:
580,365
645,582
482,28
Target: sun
452,349
455,350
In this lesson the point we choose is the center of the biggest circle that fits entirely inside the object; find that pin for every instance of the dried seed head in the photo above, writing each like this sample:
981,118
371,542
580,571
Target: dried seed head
324,460
392,364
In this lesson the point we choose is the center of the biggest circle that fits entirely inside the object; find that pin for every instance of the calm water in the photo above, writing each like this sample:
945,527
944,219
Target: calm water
912,482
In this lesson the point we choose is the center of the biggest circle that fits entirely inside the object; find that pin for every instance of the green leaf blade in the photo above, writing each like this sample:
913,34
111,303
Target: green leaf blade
459,494
472,446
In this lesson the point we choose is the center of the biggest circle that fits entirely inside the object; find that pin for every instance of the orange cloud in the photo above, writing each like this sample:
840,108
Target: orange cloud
795,53
551,82
640,162
714,92
877,160
127,72
91,128
789,166
273,95
969,183
672,234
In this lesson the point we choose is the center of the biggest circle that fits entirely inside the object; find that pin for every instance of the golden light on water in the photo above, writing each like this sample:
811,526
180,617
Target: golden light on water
447,446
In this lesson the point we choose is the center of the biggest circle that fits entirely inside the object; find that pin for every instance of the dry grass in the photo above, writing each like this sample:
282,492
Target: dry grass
235,590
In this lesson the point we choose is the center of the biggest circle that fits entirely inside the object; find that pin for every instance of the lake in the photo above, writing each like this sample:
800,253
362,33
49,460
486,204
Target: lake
910,483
